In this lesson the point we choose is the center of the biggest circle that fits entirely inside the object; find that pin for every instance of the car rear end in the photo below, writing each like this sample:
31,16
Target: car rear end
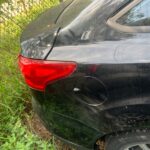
82,88
52,82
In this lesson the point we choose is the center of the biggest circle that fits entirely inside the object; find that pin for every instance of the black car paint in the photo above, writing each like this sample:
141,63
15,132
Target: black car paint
109,91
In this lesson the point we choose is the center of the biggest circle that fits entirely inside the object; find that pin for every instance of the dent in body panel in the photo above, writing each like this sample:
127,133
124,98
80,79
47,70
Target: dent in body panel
92,10
38,47
93,27
74,32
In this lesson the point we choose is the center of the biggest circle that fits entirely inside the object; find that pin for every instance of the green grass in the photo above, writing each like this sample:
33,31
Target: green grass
2,1
13,92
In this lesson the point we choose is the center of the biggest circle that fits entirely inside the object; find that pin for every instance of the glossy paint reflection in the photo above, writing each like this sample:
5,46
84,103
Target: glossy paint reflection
110,90
118,101
62,116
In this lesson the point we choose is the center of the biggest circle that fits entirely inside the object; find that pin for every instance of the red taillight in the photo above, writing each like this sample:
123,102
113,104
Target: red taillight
38,73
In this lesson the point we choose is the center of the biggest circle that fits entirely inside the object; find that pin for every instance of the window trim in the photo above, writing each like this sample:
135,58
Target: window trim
112,22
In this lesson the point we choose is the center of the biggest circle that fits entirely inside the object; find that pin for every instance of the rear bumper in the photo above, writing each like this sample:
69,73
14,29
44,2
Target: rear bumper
68,129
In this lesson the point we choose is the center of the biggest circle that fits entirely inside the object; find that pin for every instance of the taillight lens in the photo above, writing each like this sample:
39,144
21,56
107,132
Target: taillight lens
38,73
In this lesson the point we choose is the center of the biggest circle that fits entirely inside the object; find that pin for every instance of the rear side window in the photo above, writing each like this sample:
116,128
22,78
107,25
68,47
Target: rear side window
133,18
137,16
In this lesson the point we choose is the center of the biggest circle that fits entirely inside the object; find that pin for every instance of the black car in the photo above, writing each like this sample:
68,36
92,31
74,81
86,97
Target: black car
87,63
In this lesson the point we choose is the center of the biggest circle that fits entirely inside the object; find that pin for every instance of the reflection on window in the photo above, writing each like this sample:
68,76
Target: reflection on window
138,16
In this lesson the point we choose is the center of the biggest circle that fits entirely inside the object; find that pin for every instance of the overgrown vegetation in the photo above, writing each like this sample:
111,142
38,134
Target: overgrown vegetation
2,1
13,92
